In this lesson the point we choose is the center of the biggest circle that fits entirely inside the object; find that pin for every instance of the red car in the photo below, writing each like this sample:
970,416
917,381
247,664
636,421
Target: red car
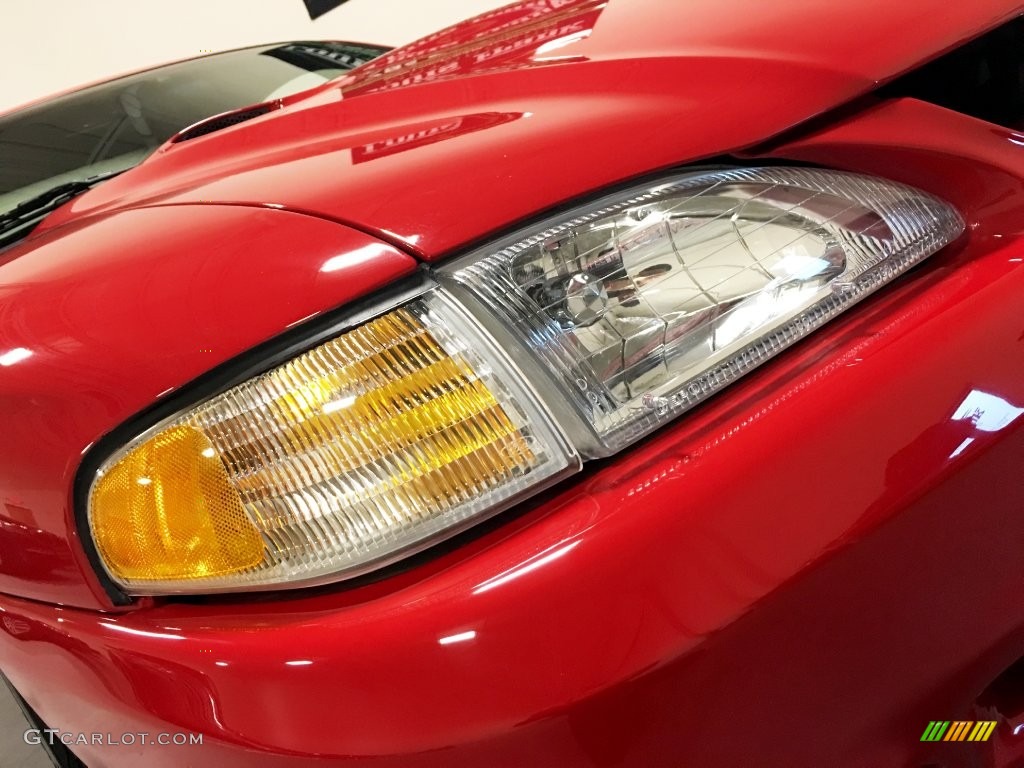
593,383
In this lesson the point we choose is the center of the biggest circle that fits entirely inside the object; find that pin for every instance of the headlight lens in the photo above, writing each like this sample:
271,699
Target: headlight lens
646,303
426,419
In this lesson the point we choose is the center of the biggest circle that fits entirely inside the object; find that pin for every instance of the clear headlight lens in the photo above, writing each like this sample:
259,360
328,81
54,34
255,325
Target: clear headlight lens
408,428
645,304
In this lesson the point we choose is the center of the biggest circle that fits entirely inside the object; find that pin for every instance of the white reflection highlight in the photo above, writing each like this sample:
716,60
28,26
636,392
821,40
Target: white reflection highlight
209,453
15,356
298,663
301,320
760,310
801,267
561,42
459,638
537,561
142,632
961,448
339,405
986,412
144,481
355,258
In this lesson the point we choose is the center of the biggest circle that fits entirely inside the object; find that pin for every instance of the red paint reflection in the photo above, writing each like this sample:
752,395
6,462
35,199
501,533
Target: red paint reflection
431,133
516,36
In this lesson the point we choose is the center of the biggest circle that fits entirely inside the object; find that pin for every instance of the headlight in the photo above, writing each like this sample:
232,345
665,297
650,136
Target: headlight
645,303
578,336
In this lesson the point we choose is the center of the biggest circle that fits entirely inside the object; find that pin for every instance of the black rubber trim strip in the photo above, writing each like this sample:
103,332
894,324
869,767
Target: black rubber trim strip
243,367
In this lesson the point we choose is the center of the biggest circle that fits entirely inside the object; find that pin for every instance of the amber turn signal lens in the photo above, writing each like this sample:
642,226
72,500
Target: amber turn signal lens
372,444
169,511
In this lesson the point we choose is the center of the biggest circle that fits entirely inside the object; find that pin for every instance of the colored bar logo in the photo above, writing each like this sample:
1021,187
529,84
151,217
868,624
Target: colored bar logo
959,730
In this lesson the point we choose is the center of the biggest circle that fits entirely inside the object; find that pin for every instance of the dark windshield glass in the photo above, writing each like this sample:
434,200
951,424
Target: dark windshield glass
115,125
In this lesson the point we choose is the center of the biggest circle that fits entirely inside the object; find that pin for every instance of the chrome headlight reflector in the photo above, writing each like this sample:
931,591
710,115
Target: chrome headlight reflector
578,336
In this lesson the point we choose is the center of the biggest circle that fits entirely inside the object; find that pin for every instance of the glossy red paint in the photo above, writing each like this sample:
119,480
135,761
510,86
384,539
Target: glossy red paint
803,571
113,314
635,91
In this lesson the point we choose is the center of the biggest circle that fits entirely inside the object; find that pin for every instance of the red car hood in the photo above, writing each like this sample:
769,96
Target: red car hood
440,143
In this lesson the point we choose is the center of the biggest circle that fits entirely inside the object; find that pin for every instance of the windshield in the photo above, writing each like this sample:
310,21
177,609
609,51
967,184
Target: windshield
113,126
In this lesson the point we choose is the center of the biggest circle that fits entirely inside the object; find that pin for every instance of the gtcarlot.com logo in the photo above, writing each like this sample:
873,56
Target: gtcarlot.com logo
52,736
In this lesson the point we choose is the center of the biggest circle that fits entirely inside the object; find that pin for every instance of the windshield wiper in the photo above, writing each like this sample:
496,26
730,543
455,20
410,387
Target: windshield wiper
20,220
